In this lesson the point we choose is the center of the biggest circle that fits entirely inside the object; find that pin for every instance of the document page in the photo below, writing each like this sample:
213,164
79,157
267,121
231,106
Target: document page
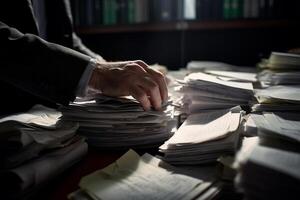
132,177
38,115
203,127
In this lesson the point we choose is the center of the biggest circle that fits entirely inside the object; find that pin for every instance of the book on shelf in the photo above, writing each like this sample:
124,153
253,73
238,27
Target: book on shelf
91,13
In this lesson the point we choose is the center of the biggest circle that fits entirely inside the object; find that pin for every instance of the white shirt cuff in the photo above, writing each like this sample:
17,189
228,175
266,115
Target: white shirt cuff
82,87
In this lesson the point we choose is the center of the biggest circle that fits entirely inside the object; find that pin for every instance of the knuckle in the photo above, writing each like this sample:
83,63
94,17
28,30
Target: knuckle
138,93
140,62
153,86
160,75
142,97
133,66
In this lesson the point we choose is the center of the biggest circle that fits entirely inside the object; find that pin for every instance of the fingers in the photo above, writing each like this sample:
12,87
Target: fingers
133,78
142,64
152,90
141,96
153,82
144,87
158,77
135,68
161,81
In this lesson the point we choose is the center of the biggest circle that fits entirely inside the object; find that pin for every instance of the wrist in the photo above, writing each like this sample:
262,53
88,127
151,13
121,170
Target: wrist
98,80
94,80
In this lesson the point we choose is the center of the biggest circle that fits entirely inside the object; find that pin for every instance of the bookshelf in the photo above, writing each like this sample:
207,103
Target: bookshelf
189,25
173,32
181,14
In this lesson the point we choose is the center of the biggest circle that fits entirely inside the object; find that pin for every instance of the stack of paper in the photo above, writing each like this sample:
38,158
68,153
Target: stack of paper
278,98
269,77
196,66
135,177
245,150
206,92
270,173
280,69
249,126
234,75
35,147
281,129
203,137
280,60
200,66
120,123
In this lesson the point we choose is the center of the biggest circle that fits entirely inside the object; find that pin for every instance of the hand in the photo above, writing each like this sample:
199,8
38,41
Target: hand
100,59
134,78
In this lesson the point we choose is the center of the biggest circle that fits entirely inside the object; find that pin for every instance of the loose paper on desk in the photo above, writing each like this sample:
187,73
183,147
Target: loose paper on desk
195,66
269,77
132,177
279,60
234,76
204,127
279,94
286,162
248,145
120,122
201,78
38,115
279,125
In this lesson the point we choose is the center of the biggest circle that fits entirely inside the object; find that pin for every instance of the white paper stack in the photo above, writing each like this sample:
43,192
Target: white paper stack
243,76
247,146
120,123
280,69
269,77
197,66
209,92
249,126
278,98
279,60
145,177
24,136
270,173
203,137
281,82
34,148
280,129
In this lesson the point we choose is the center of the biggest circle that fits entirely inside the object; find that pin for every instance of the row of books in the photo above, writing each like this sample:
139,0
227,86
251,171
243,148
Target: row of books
112,12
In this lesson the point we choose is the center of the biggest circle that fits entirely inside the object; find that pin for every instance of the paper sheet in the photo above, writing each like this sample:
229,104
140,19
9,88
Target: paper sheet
204,127
132,177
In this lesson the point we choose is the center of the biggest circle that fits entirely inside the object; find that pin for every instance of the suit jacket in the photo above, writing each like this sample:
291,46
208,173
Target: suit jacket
33,70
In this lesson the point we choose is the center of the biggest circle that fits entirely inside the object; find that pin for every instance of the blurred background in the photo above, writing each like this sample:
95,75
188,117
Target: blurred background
174,32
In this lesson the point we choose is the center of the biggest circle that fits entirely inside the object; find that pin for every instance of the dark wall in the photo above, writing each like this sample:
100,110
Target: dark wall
175,48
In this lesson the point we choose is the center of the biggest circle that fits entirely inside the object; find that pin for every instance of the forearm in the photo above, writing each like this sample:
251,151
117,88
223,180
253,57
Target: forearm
44,69
79,46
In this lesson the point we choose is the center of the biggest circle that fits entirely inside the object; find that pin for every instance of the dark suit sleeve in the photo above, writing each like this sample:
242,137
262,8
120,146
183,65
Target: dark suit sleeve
79,46
77,43
43,69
